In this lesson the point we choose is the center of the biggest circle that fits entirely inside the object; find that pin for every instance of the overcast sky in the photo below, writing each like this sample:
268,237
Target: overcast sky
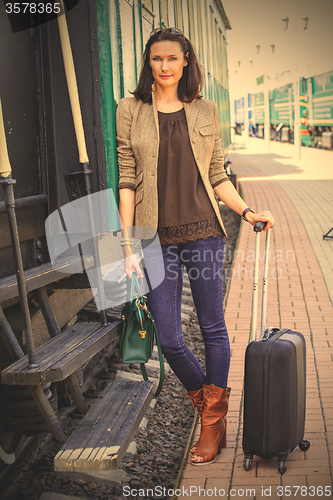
298,51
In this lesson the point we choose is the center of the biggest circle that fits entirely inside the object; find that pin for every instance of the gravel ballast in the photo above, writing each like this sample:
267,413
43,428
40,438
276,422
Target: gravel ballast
160,442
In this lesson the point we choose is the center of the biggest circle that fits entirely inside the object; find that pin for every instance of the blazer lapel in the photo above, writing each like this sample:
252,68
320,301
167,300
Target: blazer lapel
154,109
191,111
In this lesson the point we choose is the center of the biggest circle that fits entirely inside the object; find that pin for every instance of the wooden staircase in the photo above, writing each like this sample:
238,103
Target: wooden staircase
103,435
63,354
106,430
101,439
42,275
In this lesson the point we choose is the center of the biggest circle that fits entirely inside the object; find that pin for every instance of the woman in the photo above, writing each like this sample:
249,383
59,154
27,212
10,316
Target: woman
170,168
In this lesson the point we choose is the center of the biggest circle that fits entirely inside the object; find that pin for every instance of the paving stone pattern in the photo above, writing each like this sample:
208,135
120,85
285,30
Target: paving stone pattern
298,298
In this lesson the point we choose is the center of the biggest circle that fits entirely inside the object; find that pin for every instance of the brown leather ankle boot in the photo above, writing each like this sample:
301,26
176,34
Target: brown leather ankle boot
197,401
213,425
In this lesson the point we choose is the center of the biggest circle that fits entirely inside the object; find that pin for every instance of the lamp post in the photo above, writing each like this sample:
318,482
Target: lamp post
267,122
246,120
297,124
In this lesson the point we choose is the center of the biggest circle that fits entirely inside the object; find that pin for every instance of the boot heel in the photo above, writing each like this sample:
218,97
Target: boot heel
220,447
224,440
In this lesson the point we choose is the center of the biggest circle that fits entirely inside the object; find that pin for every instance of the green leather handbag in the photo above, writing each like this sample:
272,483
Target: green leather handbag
139,332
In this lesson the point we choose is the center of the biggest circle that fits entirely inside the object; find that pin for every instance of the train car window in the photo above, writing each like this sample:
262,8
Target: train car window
208,41
148,4
147,22
212,31
129,62
221,52
164,14
179,14
200,44
191,23
217,51
225,63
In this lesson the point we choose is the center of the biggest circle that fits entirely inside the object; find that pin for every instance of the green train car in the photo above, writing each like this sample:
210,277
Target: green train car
257,113
282,113
316,108
281,105
50,167
315,111
311,107
124,27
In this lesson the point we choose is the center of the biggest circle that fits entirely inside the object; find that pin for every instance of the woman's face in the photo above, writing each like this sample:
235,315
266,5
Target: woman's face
167,62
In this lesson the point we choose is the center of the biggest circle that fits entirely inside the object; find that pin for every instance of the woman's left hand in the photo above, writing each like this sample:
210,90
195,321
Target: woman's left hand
265,216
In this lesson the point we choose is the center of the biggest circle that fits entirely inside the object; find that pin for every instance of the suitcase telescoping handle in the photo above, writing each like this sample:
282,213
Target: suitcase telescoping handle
258,229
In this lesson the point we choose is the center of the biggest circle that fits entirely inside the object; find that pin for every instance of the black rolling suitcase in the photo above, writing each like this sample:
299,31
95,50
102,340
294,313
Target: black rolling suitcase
274,384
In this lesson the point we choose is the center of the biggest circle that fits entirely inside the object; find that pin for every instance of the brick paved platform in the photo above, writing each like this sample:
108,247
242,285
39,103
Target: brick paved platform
300,293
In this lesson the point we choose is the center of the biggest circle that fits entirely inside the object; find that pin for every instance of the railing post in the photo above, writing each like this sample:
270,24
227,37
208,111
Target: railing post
7,184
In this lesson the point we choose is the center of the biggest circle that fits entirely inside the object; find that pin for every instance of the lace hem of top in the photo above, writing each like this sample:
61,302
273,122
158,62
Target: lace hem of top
189,232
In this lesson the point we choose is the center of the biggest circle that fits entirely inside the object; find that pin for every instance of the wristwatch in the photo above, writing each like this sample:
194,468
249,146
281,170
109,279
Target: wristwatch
245,211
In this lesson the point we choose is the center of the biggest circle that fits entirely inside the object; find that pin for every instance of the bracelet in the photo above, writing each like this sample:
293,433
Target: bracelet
245,211
126,242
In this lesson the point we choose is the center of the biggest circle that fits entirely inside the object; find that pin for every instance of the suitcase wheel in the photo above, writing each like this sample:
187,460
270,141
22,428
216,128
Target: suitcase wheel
282,466
248,463
304,445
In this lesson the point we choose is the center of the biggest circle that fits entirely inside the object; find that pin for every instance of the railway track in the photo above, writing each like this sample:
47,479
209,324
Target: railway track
157,453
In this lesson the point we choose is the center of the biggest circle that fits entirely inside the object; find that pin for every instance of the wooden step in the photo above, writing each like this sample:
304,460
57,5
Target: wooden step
101,439
63,354
42,275
91,312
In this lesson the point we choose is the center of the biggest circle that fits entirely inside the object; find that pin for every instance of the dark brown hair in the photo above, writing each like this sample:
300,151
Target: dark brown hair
190,84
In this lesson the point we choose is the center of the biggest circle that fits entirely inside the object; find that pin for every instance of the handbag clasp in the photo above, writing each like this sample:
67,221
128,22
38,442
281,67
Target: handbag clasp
144,307
142,333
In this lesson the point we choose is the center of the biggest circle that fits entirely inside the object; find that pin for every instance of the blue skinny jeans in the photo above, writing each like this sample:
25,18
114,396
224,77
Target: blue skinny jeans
203,260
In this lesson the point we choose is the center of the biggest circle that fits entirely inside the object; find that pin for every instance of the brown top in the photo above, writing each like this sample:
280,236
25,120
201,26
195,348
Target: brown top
185,211
182,197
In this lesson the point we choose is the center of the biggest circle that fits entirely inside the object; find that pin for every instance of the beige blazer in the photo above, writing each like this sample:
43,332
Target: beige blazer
138,146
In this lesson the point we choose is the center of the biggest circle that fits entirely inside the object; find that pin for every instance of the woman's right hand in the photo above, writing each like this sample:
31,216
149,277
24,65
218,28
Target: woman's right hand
131,264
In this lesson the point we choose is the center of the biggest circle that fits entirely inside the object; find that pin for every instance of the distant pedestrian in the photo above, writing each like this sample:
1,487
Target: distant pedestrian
305,132
170,168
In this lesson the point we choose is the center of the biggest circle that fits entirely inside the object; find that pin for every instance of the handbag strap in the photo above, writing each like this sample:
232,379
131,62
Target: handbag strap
160,355
137,302
134,284
162,371
144,372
